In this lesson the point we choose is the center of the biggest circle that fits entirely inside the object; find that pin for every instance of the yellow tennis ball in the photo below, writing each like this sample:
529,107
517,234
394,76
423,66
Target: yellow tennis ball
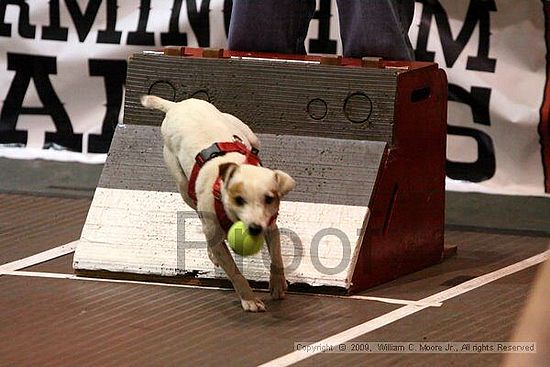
242,242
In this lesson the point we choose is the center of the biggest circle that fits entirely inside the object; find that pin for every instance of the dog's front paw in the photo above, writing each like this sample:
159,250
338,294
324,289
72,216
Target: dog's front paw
277,286
253,305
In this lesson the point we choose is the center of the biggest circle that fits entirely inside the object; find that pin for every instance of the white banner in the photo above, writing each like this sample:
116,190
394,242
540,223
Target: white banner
494,54
63,65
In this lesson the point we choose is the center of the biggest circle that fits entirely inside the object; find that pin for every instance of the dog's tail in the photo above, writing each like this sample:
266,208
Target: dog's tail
156,103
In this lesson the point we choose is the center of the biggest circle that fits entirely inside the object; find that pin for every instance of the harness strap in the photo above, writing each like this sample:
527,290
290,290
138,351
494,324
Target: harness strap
223,219
217,150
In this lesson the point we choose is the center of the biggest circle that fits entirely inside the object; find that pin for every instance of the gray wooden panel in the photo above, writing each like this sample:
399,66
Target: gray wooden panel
332,171
272,97
135,161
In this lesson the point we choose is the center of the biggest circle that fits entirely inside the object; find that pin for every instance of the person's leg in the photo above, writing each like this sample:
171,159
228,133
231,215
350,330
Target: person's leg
376,28
270,25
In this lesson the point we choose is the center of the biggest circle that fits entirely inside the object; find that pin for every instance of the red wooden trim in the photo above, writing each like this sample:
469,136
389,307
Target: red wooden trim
345,61
405,230
544,124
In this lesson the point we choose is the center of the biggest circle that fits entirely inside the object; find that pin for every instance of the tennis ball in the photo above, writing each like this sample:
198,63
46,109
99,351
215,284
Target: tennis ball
242,242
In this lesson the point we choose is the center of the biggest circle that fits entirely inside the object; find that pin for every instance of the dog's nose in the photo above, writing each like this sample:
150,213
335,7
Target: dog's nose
254,229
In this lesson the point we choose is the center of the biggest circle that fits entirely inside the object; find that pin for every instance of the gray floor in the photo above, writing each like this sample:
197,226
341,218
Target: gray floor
123,324
49,178
160,325
464,211
527,215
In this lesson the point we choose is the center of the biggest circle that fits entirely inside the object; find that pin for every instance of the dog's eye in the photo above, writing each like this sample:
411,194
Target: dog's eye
240,201
269,199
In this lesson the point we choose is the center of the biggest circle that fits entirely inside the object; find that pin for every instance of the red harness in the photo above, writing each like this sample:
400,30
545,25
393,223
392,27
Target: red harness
217,150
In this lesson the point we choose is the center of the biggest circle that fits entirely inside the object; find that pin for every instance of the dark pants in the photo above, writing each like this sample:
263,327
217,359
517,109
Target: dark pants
367,27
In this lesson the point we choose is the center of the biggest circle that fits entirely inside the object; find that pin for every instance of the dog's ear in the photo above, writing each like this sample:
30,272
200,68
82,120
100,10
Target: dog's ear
285,183
226,171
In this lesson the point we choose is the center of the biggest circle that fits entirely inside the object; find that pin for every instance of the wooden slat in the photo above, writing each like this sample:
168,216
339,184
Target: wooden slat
329,171
138,232
271,96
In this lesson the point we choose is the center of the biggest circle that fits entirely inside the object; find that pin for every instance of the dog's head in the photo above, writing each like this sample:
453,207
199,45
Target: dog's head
252,194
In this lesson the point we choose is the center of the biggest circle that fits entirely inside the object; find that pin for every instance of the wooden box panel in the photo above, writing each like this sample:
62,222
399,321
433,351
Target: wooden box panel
272,97
375,174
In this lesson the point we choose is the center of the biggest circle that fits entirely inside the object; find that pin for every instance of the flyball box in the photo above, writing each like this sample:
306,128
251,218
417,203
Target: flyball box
364,139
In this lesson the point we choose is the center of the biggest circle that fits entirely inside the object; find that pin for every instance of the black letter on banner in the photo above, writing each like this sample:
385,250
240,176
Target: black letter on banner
200,21
141,37
37,68
54,31
484,167
110,34
173,36
26,30
478,12
323,44
227,9
83,21
114,74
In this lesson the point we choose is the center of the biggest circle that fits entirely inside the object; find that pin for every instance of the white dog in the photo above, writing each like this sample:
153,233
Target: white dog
207,152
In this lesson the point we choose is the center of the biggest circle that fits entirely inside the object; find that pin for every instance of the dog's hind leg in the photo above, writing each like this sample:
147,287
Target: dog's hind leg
182,182
243,130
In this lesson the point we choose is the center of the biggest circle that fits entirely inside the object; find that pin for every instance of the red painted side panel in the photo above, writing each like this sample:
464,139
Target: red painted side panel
544,124
405,230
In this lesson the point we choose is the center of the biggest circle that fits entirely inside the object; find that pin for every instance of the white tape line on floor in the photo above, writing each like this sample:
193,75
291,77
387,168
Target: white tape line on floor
366,327
39,258
395,301
37,274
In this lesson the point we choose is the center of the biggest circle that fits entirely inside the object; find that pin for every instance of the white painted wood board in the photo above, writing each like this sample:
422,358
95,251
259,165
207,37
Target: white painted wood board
135,231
